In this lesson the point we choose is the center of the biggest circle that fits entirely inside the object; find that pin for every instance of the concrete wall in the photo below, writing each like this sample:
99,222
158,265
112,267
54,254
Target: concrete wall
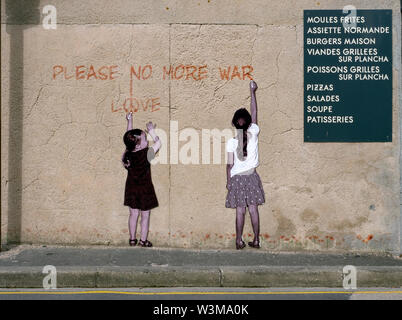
61,139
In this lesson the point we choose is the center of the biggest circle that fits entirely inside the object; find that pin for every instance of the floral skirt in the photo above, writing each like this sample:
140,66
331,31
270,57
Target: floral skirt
245,190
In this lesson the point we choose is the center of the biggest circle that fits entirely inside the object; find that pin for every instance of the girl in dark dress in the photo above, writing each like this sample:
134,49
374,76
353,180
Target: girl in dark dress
139,194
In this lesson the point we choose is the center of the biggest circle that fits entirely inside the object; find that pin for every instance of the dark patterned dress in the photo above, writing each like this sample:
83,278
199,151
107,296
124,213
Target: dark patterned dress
139,192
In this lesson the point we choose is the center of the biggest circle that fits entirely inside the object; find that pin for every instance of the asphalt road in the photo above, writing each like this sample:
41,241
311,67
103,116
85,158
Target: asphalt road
232,294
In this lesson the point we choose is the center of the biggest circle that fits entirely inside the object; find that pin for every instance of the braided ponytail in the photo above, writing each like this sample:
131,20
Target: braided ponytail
241,120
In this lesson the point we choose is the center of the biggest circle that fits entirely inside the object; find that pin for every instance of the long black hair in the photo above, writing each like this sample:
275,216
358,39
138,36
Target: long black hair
131,138
242,131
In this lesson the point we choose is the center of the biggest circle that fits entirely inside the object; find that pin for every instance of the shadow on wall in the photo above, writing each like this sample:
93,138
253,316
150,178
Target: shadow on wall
20,15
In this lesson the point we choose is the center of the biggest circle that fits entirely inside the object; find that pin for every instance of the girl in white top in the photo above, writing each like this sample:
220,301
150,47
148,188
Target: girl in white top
243,182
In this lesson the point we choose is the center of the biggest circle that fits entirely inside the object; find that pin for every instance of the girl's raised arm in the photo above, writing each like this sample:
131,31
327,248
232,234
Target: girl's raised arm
253,104
157,142
129,118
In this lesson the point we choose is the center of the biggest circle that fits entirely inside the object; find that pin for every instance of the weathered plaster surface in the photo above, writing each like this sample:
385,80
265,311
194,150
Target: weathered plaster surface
319,195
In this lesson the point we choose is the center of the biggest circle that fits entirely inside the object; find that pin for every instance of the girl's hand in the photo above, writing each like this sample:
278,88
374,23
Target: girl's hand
150,126
129,116
253,86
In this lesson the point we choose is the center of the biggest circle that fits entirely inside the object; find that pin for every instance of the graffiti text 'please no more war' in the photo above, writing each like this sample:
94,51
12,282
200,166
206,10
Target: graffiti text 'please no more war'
186,72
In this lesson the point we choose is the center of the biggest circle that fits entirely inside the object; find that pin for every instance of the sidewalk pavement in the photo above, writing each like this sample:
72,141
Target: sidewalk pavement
108,267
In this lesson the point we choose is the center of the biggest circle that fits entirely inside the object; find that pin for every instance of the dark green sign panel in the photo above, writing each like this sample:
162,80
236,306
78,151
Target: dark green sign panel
348,76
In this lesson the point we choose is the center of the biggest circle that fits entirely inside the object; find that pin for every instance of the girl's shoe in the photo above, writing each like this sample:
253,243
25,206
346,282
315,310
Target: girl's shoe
132,242
254,244
145,243
240,245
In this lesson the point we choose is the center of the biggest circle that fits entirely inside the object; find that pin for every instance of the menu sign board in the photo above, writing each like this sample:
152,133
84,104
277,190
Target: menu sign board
347,76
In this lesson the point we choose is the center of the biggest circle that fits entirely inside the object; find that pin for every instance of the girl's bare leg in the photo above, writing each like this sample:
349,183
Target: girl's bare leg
255,222
240,213
132,222
144,224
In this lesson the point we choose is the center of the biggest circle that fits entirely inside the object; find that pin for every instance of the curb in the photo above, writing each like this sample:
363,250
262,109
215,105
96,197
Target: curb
262,276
